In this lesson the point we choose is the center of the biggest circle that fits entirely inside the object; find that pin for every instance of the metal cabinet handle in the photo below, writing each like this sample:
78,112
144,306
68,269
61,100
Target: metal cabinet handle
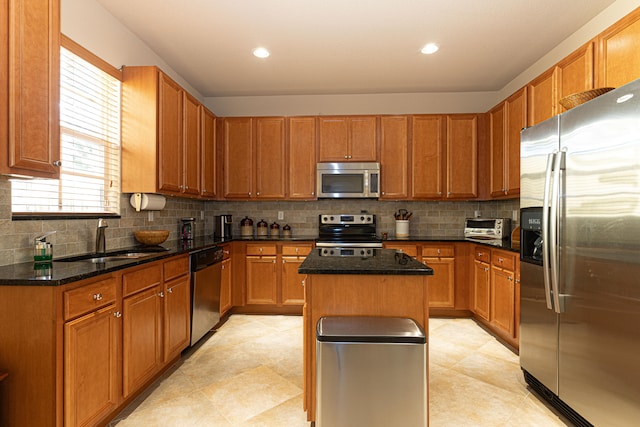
161,294
117,314
509,278
438,251
486,269
260,250
302,282
500,260
170,290
57,163
97,297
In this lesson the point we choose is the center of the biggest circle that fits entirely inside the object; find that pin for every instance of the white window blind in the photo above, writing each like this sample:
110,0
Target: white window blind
89,143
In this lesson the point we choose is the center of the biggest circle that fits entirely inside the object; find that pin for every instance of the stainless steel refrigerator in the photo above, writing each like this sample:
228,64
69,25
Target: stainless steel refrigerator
580,259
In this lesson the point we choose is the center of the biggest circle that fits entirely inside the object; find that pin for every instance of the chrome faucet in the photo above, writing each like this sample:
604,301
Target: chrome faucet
101,246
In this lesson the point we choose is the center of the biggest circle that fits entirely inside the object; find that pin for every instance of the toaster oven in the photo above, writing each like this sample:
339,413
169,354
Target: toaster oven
487,228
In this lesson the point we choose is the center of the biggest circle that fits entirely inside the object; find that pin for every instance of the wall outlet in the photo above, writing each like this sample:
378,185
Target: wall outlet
150,216
476,214
515,215
202,215
280,215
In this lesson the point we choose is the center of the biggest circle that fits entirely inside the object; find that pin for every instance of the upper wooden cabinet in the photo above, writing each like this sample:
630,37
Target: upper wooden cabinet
348,138
254,158
394,160
208,150
505,123
541,98
618,54
30,81
427,160
302,158
574,73
462,156
160,135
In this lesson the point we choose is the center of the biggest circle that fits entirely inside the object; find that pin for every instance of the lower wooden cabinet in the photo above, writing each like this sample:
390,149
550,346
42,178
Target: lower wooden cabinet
177,316
442,284
91,376
225,286
503,300
261,273
292,288
482,289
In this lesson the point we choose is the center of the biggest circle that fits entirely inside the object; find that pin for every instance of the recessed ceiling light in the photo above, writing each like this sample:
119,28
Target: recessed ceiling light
430,48
261,52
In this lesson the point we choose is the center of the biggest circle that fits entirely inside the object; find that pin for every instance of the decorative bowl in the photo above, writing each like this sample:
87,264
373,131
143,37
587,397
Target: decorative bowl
576,99
151,237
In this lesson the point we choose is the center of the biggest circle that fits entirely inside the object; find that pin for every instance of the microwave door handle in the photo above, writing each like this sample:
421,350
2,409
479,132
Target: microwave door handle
546,268
365,190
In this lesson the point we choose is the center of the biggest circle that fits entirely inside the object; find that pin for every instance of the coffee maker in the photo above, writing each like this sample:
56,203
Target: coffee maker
222,226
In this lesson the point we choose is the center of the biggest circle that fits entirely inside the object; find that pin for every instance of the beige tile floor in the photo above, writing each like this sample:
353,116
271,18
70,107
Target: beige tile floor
249,373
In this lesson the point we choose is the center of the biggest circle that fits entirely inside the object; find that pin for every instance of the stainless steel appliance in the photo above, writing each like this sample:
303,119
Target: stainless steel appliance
580,259
348,180
222,226
371,371
487,230
206,276
347,235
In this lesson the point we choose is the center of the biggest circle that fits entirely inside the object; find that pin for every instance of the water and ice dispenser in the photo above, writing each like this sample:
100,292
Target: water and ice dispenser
531,235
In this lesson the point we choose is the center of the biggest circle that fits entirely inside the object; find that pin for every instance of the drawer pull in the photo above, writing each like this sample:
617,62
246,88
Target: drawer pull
97,297
438,251
170,290
500,259
117,314
161,294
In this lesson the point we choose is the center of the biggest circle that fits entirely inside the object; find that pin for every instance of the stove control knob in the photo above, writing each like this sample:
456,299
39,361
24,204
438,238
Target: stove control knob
361,219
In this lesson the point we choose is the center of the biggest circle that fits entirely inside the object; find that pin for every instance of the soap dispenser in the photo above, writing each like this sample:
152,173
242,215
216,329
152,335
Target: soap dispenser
43,250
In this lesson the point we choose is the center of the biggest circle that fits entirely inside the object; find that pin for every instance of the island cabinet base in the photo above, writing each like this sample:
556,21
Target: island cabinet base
357,295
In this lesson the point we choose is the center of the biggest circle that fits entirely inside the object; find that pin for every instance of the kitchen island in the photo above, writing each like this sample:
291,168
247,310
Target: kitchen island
387,284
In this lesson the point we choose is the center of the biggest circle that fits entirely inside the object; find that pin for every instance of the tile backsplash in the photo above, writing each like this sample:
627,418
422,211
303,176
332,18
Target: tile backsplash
76,236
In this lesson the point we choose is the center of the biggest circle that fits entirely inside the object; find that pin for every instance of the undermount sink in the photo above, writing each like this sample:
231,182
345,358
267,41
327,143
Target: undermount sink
113,256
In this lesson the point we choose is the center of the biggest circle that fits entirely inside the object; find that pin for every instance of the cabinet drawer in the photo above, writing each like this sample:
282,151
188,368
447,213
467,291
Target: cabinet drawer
504,260
89,297
297,250
437,251
411,250
256,249
141,278
482,254
175,267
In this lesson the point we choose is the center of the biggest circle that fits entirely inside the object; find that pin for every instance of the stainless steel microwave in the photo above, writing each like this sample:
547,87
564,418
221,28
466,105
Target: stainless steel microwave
348,180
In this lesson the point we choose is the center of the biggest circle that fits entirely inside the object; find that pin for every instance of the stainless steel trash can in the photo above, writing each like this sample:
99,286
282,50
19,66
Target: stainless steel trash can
370,371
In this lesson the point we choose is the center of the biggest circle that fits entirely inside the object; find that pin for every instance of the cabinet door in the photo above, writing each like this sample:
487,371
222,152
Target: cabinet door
170,135
91,375
238,164
441,284
292,289
575,73
497,147
333,139
462,156
542,98
191,145
141,341
363,139
482,289
618,53
208,149
427,139
407,248
177,317
516,120
394,157
30,83
261,280
502,300
225,287
270,158
302,158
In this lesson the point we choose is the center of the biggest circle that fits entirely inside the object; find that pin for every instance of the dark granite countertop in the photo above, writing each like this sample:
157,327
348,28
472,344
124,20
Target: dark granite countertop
384,262
504,244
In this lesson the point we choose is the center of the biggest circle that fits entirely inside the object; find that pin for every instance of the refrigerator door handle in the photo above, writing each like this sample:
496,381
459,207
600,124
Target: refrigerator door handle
553,230
545,230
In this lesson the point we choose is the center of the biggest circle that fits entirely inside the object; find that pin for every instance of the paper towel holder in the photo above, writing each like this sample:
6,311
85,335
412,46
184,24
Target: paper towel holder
144,202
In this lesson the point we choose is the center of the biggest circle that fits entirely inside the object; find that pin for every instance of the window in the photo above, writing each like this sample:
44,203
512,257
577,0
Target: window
89,181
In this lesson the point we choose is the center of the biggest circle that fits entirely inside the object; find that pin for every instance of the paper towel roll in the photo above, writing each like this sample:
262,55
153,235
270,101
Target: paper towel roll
147,202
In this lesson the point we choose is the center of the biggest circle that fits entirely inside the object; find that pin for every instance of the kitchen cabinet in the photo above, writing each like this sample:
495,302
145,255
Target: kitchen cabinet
505,123
618,56
160,134
30,95
91,363
254,158
261,273
481,282
407,248
503,291
394,157
542,99
575,73
226,280
441,258
208,161
348,138
292,256
177,307
462,156
301,158
427,159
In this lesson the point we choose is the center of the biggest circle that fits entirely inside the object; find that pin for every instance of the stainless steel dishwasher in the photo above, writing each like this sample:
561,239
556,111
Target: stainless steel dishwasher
370,372
206,272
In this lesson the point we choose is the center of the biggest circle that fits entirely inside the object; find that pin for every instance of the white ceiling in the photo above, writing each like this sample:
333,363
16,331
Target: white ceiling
351,46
